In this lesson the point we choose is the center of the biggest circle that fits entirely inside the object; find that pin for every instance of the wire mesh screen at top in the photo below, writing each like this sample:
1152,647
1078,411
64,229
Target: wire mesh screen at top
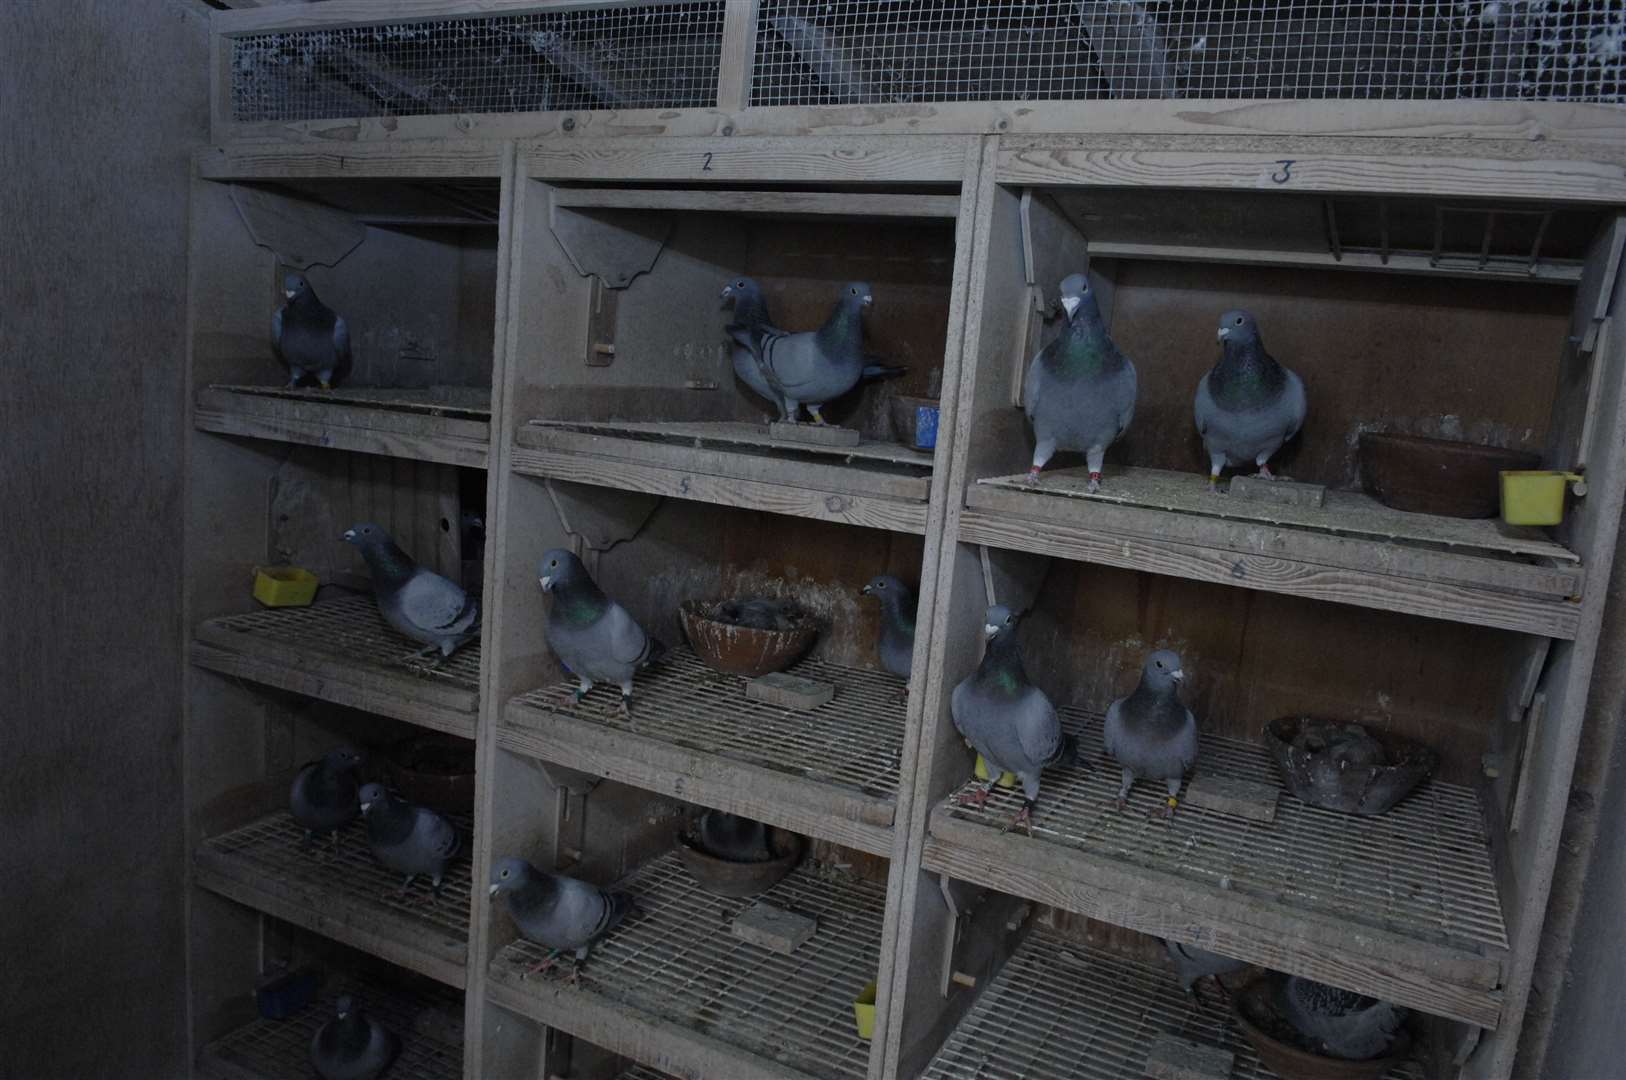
824,52
643,57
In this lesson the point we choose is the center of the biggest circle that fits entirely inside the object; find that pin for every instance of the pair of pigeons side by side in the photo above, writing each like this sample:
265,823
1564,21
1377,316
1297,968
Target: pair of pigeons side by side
1080,390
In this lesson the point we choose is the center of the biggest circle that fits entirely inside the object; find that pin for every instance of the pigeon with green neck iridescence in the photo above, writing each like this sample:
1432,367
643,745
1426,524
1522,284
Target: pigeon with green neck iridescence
419,603
562,914
1080,389
323,796
352,1046
1150,733
309,337
1007,719
409,839
592,635
1247,405
813,367
897,644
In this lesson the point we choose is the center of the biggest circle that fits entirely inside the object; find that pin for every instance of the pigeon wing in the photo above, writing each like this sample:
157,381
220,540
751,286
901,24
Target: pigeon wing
1037,727
437,605
624,639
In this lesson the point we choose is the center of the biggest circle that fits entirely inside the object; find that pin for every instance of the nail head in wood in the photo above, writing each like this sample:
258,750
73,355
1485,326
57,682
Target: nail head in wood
1283,492
1238,798
774,929
817,434
790,691
1171,1057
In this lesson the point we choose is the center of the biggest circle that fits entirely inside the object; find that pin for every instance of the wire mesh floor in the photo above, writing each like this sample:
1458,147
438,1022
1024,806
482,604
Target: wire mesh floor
1062,1009
1422,870
855,741
678,961
280,1049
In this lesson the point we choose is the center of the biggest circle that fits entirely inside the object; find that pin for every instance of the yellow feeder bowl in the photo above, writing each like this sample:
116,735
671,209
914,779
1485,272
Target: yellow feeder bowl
284,586
1006,780
864,1012
1536,497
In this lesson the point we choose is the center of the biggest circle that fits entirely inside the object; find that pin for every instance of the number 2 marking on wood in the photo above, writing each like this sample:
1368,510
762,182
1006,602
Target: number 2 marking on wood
705,166
1285,173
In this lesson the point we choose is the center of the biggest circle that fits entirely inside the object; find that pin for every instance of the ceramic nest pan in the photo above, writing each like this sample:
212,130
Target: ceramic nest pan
1346,767
724,877
1280,1047
748,637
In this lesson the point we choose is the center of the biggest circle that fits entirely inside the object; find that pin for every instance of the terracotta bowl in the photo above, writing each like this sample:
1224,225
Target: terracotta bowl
433,770
1254,1009
724,878
742,650
1315,773
1437,476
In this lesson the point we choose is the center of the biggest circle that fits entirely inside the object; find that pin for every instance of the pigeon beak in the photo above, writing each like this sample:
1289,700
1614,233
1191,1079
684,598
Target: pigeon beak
1177,675
288,293
349,534
989,630
1224,332
547,583
365,807
1070,304
868,299
865,590
494,889
728,290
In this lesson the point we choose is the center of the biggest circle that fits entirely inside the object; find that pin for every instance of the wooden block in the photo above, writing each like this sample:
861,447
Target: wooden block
1171,1057
775,929
820,434
790,691
1284,492
1239,798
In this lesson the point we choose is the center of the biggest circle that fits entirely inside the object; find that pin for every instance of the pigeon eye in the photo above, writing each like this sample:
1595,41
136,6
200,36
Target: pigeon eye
505,873
1239,322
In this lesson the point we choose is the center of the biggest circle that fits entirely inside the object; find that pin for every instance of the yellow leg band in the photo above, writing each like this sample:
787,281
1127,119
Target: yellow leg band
1173,802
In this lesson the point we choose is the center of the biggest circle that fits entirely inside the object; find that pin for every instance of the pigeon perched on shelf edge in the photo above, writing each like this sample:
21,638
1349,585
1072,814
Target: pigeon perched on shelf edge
1247,405
309,337
592,635
813,367
418,603
562,914
353,1046
409,839
1150,733
323,797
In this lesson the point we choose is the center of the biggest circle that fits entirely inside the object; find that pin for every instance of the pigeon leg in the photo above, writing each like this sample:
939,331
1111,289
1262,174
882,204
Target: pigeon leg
1094,457
584,684
325,379
817,418
978,798
543,964
1216,462
793,411
1167,809
1264,472
1122,800
405,885
626,699
1023,818
1043,450
294,375
421,653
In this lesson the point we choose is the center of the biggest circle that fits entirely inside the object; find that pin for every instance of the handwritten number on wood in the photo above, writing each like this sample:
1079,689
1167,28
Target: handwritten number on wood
705,166
1285,173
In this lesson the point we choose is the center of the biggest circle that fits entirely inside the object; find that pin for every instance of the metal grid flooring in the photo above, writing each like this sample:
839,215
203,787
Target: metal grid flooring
349,628
1422,870
855,741
678,961
1062,1009
272,847
280,1049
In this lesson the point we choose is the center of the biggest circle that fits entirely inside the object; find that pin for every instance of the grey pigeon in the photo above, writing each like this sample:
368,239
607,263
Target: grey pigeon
309,337
1248,404
1009,721
592,635
353,1046
751,318
814,367
419,603
732,837
759,613
897,646
1193,963
1080,389
1340,1023
1150,733
408,839
323,796
557,912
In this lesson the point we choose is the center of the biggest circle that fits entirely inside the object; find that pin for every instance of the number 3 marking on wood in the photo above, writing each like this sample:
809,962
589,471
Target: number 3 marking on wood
705,166
1285,173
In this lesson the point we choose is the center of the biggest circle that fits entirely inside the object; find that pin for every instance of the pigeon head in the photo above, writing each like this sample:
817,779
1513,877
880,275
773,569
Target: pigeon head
883,587
366,535
296,288
508,874
741,289
1238,328
1076,294
343,757
371,795
999,620
1162,670
857,293
560,569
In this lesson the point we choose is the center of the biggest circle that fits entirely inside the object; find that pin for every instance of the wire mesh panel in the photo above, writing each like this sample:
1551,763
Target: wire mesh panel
657,55
825,52
678,961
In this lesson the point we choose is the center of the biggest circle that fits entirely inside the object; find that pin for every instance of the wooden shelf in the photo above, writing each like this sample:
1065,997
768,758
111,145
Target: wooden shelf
340,650
449,424
281,1049
674,986
875,484
1403,906
1352,550
831,772
1060,1010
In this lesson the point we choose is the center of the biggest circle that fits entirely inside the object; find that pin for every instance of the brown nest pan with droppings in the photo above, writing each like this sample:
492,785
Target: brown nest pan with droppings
1281,1047
724,644
433,770
1339,766
723,877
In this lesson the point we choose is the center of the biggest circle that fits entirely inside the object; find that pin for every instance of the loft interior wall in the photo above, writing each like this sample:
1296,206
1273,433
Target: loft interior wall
107,102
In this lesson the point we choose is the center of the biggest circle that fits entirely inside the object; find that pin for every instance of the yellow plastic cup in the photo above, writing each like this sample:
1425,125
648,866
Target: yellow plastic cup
1006,780
284,586
864,1012
1536,497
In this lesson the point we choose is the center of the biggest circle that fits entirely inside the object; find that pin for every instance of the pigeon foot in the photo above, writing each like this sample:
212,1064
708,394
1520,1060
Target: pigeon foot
1165,812
977,798
1033,477
544,964
1213,486
1023,819
1264,472
1121,803
1095,483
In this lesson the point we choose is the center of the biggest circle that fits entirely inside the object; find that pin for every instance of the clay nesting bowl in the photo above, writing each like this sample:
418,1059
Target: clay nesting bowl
433,770
724,878
743,650
1437,476
1320,769
1254,1009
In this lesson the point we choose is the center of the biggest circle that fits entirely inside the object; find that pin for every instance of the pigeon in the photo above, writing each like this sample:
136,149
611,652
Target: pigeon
897,645
409,839
323,796
1009,721
419,603
1150,733
1080,389
560,913
757,613
1193,964
814,367
592,635
751,317
353,1046
1248,404
309,337
731,837
1340,1023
